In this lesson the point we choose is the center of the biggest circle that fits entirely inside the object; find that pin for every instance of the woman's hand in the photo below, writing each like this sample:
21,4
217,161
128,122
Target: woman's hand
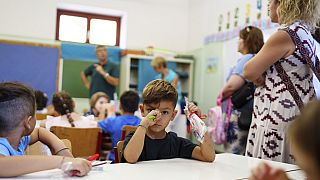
260,81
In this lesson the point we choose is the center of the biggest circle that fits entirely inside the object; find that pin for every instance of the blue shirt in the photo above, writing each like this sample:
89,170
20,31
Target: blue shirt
113,126
238,69
169,78
7,150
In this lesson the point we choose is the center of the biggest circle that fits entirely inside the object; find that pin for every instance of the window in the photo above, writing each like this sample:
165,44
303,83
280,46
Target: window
88,28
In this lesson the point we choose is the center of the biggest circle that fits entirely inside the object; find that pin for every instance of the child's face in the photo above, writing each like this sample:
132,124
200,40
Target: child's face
306,163
167,111
101,104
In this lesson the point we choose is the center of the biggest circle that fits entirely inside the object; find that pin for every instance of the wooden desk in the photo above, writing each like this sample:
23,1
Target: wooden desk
225,167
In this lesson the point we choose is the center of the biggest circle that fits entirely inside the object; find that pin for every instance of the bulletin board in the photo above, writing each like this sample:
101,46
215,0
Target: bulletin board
34,64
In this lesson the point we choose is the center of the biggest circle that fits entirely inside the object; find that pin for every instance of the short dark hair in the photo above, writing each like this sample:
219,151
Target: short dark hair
130,101
41,99
17,102
159,90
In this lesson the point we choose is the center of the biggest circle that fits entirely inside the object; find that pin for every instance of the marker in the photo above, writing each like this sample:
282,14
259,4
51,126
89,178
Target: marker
152,117
94,157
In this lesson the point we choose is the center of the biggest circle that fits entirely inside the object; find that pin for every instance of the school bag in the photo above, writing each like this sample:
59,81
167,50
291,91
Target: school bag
218,120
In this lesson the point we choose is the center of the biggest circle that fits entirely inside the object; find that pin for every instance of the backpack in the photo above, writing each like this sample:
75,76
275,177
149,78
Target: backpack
218,121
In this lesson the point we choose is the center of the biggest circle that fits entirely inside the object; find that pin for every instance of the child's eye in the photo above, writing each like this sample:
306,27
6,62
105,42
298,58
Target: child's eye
164,112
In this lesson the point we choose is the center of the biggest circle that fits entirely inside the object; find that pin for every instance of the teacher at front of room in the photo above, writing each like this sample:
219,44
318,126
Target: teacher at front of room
104,74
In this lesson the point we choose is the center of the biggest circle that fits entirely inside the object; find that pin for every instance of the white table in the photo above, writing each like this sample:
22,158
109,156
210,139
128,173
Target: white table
225,167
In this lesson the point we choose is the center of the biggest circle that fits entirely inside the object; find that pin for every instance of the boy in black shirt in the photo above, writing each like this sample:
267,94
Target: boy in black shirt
150,141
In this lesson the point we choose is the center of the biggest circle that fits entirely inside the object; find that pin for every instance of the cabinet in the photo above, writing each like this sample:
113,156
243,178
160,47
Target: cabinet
136,71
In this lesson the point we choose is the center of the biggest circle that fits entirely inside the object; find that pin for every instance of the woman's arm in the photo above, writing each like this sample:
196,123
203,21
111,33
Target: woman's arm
234,83
278,46
174,83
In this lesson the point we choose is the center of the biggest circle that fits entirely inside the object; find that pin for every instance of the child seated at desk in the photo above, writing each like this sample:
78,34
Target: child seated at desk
129,103
150,141
304,135
64,106
99,106
17,122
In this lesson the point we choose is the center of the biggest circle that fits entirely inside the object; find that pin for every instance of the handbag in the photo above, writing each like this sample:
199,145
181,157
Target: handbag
243,95
245,116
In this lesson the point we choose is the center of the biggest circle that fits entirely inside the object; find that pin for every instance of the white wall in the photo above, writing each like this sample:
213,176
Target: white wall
161,23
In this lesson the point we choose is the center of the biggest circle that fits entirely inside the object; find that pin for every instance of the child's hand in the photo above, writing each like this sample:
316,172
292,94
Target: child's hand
76,166
151,118
195,109
266,172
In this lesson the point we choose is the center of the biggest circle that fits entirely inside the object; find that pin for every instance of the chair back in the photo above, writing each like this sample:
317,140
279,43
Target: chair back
85,141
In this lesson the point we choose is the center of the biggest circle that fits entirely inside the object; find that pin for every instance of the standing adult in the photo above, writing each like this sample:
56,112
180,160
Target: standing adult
179,124
104,74
283,77
250,42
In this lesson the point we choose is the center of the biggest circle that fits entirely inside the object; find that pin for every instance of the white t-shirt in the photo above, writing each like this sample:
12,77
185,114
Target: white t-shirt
79,121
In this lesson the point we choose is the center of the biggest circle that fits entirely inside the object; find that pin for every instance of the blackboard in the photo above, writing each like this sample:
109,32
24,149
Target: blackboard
71,81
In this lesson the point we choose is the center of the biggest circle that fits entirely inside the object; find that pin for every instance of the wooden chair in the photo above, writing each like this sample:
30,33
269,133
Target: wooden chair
126,130
41,116
39,148
118,151
85,141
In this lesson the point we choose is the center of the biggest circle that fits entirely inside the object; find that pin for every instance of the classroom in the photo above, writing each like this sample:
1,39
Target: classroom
161,89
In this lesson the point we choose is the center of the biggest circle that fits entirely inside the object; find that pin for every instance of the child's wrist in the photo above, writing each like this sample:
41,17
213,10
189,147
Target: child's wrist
144,127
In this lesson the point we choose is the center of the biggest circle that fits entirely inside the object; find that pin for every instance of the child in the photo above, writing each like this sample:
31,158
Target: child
64,106
304,137
41,101
178,125
17,122
129,103
151,141
99,106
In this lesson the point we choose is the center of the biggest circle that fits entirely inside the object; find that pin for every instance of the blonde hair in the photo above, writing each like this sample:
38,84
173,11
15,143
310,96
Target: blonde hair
159,90
96,96
307,11
158,62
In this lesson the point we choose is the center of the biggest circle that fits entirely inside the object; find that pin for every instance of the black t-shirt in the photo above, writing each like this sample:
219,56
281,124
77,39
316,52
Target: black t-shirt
98,82
171,146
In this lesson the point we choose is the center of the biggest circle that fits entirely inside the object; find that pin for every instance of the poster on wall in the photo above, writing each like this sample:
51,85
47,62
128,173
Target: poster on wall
212,65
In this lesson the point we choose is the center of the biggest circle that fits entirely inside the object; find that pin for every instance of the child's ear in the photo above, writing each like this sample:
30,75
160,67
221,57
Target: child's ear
142,110
27,123
174,114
